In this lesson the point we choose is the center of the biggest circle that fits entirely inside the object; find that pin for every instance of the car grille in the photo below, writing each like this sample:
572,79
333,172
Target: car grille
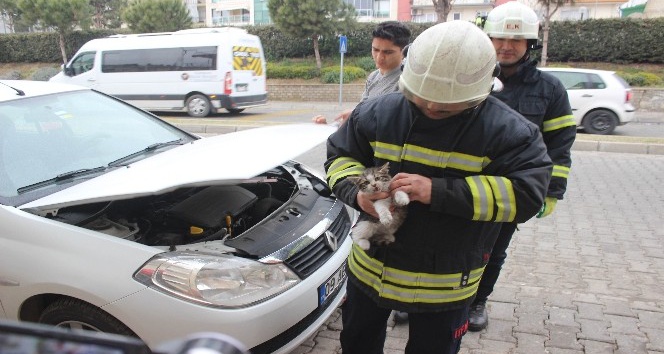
305,262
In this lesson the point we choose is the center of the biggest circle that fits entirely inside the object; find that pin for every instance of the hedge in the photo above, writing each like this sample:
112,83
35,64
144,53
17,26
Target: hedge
618,41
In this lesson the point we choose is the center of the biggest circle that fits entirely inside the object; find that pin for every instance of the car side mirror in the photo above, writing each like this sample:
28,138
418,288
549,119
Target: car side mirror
67,70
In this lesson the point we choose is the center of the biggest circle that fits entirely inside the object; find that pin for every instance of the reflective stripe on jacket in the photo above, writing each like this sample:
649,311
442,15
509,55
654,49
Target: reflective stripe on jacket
487,165
542,99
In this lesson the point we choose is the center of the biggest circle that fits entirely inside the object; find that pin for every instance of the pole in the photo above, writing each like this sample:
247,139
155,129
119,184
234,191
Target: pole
341,79
342,50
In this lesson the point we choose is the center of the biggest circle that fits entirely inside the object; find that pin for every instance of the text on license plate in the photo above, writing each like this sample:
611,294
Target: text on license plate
332,284
241,87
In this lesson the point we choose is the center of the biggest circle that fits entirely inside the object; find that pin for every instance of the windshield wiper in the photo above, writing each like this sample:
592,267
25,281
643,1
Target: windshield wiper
150,148
62,177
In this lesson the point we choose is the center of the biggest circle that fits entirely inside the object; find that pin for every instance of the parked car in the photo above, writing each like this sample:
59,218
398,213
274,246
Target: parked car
113,220
600,99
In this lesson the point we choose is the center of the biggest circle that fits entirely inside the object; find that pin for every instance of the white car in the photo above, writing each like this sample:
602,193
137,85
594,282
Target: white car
113,220
600,99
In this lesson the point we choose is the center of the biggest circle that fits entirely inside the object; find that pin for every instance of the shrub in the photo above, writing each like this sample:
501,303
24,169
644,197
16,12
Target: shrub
277,71
640,79
45,73
11,75
330,75
366,63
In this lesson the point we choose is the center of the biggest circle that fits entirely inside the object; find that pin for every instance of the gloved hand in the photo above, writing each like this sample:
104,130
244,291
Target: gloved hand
547,207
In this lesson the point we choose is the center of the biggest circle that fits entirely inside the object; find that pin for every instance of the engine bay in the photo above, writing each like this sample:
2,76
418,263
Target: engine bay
196,214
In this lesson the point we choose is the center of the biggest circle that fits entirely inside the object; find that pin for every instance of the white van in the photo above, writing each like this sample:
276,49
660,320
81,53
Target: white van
198,71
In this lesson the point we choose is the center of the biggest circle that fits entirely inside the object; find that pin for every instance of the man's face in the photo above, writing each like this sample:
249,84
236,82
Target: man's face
509,51
435,110
386,54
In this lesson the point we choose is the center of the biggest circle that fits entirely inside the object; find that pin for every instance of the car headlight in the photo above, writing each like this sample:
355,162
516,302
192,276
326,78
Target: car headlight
216,280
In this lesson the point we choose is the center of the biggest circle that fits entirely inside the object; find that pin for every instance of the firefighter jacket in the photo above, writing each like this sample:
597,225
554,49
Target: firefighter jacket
542,99
488,165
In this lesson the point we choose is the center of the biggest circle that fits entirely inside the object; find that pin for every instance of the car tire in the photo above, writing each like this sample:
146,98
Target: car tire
75,314
198,106
600,121
235,110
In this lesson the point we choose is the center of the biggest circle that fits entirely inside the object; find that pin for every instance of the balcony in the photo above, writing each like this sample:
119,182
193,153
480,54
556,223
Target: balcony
368,13
231,20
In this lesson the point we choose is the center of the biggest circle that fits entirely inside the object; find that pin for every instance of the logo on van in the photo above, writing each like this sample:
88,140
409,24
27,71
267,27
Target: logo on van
247,58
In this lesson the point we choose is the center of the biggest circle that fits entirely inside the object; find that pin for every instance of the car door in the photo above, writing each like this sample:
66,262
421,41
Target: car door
81,70
579,91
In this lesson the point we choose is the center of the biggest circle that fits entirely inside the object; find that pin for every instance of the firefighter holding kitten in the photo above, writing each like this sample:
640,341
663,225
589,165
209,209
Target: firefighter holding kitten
467,162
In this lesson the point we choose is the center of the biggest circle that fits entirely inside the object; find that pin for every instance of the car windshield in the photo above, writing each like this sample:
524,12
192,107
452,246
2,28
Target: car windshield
54,139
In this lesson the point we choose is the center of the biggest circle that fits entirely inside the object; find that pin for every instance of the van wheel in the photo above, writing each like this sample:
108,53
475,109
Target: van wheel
600,121
235,110
198,106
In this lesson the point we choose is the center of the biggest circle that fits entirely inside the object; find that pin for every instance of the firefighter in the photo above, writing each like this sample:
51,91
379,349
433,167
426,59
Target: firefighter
542,99
468,163
478,20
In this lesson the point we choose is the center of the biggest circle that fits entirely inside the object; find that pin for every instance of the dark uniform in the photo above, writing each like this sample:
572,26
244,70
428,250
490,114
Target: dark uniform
542,99
488,165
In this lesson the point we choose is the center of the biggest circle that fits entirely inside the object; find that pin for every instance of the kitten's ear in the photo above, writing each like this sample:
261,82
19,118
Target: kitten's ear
385,168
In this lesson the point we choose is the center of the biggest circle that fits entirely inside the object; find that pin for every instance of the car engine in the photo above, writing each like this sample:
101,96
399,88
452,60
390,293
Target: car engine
197,214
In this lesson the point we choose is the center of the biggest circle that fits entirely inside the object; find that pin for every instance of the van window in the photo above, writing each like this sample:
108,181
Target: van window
159,59
82,63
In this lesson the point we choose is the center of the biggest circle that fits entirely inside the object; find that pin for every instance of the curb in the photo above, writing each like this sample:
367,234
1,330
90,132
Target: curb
644,148
620,147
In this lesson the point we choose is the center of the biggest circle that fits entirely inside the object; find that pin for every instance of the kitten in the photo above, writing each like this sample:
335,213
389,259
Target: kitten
381,231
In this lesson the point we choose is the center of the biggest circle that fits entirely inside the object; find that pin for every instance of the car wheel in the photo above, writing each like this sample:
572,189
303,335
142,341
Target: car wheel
198,106
235,110
76,314
600,121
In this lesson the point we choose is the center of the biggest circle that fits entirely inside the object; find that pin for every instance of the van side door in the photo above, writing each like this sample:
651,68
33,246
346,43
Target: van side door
82,69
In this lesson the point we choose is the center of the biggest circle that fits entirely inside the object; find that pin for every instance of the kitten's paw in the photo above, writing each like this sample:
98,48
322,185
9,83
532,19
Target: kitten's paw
364,244
401,198
385,218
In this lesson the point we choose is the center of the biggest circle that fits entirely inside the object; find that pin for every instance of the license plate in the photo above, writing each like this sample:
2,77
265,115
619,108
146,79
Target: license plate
241,87
332,284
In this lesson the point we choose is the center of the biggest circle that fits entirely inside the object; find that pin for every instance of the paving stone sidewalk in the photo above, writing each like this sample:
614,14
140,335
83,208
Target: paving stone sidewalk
589,279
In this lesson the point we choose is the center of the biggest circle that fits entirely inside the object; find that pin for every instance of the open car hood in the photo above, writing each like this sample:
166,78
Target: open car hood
223,159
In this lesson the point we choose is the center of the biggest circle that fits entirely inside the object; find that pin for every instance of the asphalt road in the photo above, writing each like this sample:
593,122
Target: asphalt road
645,124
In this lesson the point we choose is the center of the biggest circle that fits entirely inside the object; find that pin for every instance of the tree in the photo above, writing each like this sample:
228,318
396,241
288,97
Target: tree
64,16
312,19
442,8
107,13
148,16
10,13
549,7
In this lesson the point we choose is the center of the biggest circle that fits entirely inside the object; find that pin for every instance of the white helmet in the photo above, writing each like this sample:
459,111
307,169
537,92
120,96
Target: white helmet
512,20
451,62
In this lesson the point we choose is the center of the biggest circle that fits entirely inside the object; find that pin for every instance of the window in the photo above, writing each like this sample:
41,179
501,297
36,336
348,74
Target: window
83,63
571,80
596,82
159,59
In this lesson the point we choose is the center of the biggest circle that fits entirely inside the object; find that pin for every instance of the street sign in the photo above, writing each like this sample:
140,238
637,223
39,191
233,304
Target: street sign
343,43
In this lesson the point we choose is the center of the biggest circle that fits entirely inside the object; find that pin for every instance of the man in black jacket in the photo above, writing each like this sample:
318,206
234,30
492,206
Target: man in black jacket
468,163
542,99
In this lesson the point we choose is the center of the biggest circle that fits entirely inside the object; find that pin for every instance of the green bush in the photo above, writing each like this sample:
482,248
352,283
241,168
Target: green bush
11,75
330,75
279,71
641,79
366,63
45,73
